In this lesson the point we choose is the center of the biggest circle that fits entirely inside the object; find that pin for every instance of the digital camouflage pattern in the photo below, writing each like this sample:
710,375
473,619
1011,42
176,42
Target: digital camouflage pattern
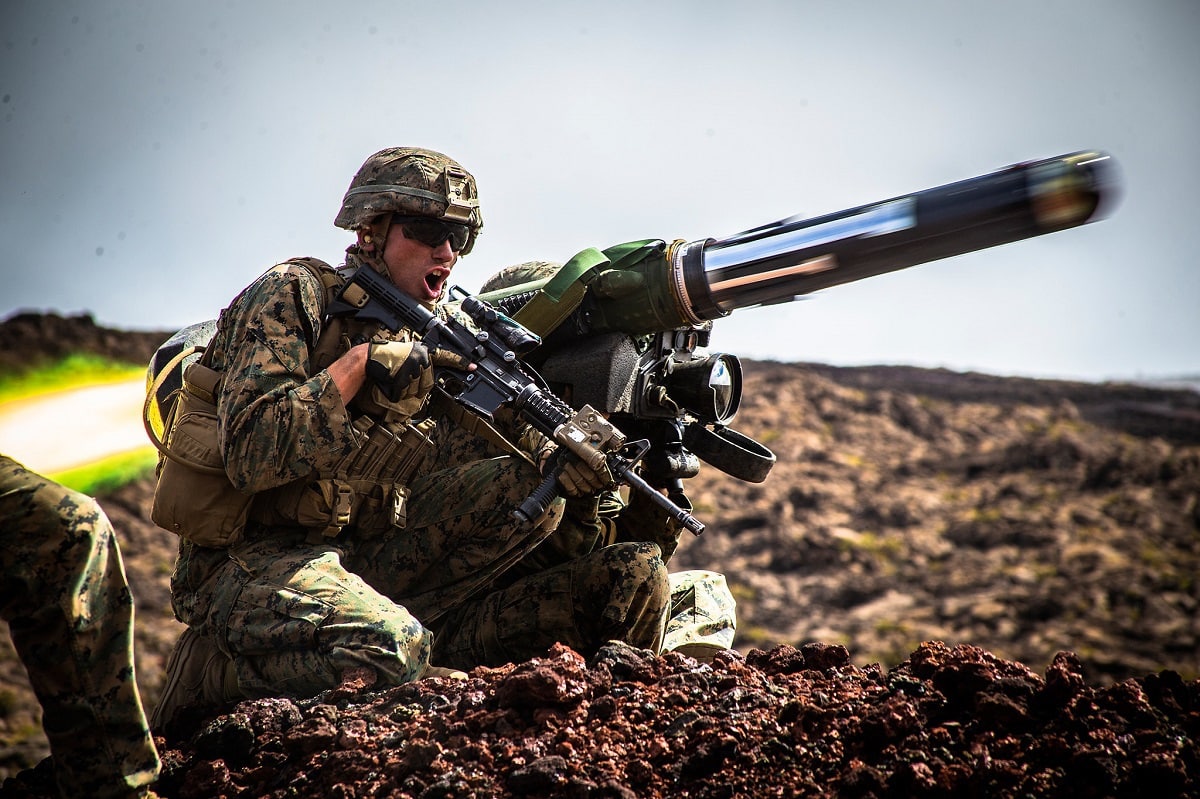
702,613
68,606
600,575
280,418
294,618
288,612
461,581
293,615
619,592
517,274
413,181
491,603
703,617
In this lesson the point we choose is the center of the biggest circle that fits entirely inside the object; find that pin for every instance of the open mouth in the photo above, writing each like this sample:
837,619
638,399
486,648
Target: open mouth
436,280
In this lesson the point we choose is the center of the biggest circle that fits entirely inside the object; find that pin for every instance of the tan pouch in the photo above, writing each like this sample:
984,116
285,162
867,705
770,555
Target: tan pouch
367,490
194,497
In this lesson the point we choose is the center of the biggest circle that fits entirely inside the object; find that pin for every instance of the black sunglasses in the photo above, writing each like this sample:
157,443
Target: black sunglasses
432,232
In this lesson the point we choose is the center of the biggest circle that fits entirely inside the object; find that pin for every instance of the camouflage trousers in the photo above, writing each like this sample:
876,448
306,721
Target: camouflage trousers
294,616
68,606
495,608
619,592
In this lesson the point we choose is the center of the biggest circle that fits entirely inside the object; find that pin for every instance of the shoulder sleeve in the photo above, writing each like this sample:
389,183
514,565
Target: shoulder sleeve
280,420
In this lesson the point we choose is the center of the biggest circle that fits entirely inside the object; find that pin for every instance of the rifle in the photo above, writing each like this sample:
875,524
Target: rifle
501,379
626,329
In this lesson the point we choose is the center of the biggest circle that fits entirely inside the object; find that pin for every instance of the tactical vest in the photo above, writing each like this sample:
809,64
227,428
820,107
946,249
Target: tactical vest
366,491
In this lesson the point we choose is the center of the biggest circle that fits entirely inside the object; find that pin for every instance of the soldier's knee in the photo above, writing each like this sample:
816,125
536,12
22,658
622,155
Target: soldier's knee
638,594
641,561
658,582
396,646
633,575
393,650
411,645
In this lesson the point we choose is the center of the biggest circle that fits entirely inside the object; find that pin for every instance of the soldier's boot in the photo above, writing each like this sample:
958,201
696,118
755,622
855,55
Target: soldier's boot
439,671
700,650
197,674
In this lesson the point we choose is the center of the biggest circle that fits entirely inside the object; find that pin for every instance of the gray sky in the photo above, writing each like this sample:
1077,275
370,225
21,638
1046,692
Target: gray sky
156,156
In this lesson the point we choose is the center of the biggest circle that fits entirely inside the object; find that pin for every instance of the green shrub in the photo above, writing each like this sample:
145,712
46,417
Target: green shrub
109,473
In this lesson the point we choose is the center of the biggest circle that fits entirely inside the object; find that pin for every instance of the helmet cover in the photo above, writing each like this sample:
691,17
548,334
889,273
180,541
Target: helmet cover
414,182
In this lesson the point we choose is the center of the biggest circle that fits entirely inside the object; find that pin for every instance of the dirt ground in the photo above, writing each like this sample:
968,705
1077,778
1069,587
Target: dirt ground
950,584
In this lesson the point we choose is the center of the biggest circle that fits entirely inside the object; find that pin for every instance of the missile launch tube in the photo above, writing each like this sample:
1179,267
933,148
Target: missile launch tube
653,286
787,259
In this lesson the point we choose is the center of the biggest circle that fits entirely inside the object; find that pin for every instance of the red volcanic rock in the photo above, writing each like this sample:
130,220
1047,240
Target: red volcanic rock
948,721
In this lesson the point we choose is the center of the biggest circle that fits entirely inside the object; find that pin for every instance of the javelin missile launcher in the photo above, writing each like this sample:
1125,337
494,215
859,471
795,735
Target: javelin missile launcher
626,329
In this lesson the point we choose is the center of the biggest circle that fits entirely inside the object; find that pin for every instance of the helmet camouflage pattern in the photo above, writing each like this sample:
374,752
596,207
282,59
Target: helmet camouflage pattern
413,181
517,274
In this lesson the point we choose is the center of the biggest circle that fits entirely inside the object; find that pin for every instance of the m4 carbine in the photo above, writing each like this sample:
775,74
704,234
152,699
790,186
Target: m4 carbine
494,346
626,329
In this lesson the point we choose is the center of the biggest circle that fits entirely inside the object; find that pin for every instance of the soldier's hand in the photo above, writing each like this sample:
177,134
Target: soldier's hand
579,480
404,369
402,373
400,369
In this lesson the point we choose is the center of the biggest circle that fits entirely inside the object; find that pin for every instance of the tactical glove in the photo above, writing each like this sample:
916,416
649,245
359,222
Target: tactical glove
402,373
579,480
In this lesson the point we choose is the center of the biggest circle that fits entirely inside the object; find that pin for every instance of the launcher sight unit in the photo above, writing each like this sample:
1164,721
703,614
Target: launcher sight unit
626,329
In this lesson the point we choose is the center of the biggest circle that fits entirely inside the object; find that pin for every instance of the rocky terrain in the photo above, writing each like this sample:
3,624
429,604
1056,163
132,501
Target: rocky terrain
950,584
909,505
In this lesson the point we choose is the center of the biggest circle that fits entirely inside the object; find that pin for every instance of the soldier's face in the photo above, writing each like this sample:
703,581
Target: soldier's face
417,269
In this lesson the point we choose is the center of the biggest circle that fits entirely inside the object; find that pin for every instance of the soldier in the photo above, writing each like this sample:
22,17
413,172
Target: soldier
357,542
604,557
70,613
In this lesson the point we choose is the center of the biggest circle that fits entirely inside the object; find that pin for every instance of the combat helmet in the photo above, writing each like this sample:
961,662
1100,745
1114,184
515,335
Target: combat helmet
414,181
517,274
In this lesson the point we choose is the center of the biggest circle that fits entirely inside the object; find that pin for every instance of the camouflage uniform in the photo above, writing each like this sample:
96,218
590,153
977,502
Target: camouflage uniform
605,563
70,613
600,576
296,603
519,608
293,611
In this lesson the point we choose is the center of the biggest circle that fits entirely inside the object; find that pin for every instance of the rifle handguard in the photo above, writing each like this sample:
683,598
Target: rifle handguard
621,465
